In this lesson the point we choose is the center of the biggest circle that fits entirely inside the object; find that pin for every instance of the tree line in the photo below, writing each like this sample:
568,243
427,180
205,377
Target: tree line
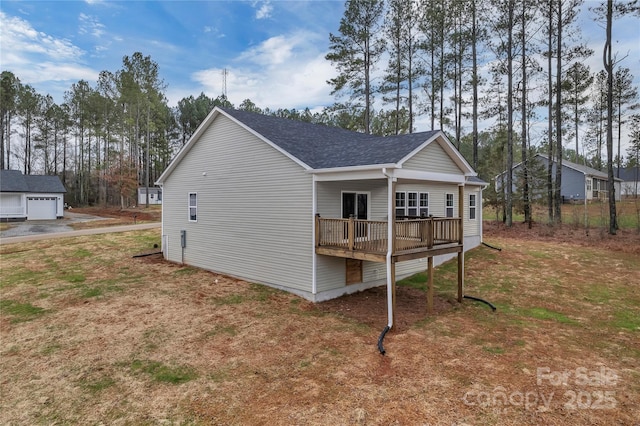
518,65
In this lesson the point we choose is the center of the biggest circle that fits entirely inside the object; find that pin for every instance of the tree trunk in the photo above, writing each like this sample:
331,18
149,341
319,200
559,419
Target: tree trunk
608,65
558,187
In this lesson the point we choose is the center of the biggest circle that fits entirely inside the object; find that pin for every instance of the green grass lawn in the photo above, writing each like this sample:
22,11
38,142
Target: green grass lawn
90,335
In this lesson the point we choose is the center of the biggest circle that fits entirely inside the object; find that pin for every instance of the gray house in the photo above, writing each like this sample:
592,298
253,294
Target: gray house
630,177
577,180
30,197
312,209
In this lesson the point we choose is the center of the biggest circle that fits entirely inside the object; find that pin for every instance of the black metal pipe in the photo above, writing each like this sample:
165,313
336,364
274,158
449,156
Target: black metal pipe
147,254
490,246
381,338
477,299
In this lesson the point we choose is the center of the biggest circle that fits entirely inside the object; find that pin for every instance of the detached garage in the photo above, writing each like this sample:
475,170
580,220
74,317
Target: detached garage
30,197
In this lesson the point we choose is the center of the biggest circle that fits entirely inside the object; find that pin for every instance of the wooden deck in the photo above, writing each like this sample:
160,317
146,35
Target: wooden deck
368,239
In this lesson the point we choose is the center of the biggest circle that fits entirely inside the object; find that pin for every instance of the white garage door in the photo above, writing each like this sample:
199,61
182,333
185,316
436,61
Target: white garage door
41,208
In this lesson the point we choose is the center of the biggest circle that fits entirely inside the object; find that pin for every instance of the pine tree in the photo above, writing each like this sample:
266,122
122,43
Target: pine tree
355,52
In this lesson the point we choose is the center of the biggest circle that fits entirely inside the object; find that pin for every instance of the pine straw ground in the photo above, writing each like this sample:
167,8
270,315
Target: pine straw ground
91,335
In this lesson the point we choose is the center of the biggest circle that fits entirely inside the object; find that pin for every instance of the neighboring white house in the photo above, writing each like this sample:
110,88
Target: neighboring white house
306,208
30,197
577,180
155,195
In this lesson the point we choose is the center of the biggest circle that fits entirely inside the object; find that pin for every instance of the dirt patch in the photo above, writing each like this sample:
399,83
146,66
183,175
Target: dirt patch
626,241
151,214
370,307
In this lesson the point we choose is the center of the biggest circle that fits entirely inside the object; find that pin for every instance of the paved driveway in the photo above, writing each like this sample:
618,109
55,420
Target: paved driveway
37,227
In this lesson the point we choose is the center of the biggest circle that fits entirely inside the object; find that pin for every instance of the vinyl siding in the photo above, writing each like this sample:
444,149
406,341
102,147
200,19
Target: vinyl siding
254,218
432,159
331,271
472,227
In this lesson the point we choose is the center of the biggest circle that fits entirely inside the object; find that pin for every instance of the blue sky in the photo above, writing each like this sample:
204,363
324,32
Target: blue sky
274,50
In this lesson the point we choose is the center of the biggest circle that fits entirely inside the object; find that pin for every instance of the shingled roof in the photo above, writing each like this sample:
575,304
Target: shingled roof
15,181
323,147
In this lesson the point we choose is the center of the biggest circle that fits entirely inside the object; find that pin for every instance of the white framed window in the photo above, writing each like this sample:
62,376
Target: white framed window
193,207
424,204
401,204
355,204
412,204
472,206
448,205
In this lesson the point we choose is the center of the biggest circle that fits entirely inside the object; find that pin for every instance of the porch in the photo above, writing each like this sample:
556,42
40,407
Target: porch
368,239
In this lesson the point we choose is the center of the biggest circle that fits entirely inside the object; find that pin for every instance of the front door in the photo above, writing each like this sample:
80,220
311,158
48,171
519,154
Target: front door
355,204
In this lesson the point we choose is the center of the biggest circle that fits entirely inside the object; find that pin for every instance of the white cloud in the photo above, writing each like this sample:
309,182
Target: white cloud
264,11
39,59
286,71
22,37
90,25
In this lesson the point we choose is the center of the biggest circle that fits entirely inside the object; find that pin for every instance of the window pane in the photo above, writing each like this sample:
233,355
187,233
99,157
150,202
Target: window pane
348,204
412,212
400,199
193,200
424,199
472,200
413,199
424,211
362,206
472,213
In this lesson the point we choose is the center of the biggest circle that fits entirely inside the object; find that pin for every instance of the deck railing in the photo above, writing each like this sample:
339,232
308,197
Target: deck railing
372,235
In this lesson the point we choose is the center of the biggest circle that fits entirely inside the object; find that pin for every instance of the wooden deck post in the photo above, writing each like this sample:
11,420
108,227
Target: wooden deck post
430,285
351,232
461,242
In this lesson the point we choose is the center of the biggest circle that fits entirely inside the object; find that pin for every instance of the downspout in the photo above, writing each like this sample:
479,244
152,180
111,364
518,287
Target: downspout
390,211
390,236
314,209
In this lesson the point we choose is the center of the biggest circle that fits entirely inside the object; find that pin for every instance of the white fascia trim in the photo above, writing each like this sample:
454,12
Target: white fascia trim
363,173
353,168
428,176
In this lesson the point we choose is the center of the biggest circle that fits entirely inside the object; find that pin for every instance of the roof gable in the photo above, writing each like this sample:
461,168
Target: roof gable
316,147
325,147
588,171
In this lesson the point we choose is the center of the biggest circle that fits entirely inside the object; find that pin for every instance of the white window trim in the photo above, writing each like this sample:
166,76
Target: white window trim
452,206
420,206
473,207
189,206
367,193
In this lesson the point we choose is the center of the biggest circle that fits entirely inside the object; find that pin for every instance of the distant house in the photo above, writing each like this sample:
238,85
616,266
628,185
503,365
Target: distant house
155,195
30,197
577,180
630,177
316,210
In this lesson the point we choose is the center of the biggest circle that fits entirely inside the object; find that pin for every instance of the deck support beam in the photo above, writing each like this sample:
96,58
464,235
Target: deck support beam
430,285
461,242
